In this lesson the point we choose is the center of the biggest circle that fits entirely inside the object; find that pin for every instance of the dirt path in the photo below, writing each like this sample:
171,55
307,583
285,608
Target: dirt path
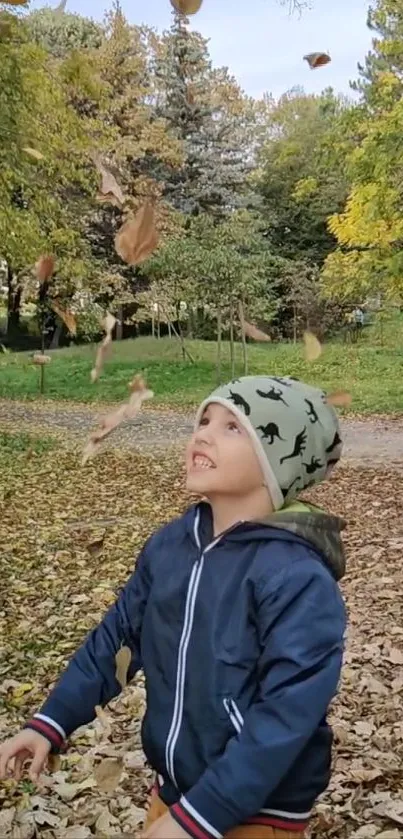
369,441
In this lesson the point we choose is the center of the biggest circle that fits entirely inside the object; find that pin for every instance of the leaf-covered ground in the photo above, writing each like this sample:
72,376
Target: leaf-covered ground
69,537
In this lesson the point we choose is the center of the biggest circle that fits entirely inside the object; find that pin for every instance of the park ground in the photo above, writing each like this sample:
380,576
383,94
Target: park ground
70,535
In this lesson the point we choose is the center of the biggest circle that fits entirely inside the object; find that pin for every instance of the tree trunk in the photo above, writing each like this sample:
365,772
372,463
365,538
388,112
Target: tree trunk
169,329
119,325
158,322
244,344
185,351
219,336
231,338
56,337
13,304
295,324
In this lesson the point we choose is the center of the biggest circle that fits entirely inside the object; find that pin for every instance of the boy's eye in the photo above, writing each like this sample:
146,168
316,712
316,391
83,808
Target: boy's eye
203,421
233,426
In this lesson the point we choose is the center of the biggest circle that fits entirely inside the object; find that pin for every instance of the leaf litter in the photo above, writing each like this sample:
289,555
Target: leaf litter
56,590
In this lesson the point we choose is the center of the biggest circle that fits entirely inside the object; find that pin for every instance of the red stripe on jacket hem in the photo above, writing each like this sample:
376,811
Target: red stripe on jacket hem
190,825
47,731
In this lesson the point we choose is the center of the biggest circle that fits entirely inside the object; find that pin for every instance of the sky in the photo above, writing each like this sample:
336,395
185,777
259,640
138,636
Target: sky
261,43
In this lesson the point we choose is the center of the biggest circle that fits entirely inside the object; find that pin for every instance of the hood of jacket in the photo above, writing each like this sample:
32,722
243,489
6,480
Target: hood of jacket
297,522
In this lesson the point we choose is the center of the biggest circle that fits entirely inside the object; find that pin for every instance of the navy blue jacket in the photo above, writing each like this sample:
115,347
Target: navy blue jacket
240,639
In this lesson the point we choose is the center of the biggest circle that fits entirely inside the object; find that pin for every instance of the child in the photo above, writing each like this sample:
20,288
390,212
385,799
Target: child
235,615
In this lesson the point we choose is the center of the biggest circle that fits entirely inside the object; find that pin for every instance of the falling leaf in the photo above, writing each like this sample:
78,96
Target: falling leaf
128,410
28,150
317,59
339,399
44,268
313,348
251,331
108,324
137,238
66,316
59,10
123,659
39,358
109,190
186,7
108,773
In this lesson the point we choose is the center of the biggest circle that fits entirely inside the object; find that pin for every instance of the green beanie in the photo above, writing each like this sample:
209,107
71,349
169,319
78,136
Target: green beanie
295,432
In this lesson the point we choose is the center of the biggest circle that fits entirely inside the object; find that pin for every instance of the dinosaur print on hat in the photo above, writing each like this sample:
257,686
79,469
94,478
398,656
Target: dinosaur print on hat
295,432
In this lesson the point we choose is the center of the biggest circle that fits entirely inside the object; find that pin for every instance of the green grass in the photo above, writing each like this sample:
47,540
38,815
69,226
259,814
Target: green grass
372,373
16,446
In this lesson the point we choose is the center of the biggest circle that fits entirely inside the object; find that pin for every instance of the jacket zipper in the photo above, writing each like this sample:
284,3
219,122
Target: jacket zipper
234,714
191,595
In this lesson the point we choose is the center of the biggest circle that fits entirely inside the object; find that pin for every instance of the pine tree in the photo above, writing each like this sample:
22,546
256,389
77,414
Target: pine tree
212,176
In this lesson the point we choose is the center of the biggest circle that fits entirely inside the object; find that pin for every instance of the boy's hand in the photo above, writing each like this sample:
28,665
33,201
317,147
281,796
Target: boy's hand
166,828
28,745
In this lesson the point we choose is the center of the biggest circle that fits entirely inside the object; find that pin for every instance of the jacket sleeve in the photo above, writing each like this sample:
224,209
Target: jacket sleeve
89,678
301,623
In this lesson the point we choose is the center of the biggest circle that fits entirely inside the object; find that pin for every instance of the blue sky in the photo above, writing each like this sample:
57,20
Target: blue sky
261,43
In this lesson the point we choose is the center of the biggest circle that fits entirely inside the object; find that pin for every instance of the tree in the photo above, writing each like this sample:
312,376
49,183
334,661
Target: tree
369,259
301,179
203,110
45,187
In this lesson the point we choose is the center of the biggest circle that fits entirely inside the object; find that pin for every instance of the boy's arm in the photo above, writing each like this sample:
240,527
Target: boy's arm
90,677
301,621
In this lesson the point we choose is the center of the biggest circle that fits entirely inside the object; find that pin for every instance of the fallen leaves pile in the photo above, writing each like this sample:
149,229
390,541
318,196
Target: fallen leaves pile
69,537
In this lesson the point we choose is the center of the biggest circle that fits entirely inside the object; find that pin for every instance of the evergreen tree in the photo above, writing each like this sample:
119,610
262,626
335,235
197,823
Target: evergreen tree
212,177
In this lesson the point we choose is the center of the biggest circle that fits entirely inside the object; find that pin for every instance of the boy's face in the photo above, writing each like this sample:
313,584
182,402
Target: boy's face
220,458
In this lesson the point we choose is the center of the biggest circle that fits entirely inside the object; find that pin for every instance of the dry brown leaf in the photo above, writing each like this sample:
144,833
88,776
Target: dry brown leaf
109,190
66,316
128,410
317,59
313,348
186,7
389,834
396,656
54,763
39,358
108,324
95,548
251,331
123,659
339,399
104,720
44,268
137,238
107,774
28,150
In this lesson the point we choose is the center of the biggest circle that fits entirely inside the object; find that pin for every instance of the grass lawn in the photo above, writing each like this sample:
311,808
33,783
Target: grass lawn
373,374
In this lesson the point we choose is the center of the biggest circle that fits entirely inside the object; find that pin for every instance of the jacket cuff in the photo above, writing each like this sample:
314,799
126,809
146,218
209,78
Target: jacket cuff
192,821
50,729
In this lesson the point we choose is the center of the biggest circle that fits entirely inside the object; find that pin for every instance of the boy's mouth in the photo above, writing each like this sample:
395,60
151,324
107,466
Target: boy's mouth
201,461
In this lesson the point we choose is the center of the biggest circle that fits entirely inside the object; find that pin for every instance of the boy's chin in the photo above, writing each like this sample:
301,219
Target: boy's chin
199,483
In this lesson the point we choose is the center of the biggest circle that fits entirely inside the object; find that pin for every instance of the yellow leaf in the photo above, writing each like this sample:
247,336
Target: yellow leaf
33,152
21,689
186,7
313,349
